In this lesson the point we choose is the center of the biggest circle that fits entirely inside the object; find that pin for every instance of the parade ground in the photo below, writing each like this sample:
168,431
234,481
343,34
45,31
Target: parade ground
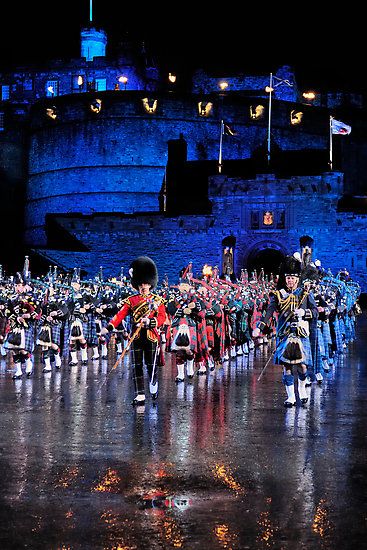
216,462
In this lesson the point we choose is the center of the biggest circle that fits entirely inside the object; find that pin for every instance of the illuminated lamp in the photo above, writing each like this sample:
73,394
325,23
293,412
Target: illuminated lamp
205,108
150,105
96,105
51,112
296,117
256,111
123,79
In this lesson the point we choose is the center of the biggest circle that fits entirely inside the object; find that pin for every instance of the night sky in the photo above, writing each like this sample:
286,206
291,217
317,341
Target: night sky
325,49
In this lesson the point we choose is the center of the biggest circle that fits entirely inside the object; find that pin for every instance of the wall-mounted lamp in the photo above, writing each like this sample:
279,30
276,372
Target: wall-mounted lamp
123,79
309,95
256,111
51,112
172,77
150,105
223,85
205,108
80,83
96,106
296,117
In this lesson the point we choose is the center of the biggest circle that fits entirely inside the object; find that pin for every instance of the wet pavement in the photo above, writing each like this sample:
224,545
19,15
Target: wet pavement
215,463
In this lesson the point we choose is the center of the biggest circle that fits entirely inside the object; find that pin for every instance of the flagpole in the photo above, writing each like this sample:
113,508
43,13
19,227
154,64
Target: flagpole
220,147
269,115
330,143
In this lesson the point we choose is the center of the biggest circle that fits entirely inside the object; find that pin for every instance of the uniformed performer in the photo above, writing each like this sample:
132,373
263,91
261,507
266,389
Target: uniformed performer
295,306
148,313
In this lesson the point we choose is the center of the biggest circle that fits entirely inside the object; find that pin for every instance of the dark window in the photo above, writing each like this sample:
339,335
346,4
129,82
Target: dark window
255,219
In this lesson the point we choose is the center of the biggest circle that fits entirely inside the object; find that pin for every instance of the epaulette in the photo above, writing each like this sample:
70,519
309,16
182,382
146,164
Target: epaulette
123,301
158,299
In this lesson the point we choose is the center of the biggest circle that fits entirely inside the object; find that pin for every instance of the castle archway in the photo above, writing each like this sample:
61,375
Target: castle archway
265,255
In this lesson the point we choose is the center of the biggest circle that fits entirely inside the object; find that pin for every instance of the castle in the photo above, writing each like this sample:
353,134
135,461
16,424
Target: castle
111,161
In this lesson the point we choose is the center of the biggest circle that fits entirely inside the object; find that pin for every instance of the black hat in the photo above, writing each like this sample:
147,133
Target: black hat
306,241
310,273
143,270
290,266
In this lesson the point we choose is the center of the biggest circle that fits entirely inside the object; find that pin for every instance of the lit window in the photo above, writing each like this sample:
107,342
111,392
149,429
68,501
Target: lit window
150,105
5,92
78,82
52,88
100,84
256,111
205,108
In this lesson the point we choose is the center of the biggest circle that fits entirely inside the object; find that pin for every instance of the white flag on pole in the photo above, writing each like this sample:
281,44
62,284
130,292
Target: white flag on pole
338,127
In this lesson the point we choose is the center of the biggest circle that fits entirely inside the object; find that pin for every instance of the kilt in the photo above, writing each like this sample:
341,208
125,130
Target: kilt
306,351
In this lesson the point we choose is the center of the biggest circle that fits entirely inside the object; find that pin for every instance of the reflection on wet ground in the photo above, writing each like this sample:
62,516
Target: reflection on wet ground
217,462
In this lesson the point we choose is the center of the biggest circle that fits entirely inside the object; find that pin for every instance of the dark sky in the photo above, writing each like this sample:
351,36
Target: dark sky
325,49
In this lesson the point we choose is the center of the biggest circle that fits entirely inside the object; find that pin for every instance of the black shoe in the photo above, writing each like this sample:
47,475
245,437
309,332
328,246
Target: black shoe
178,380
17,376
73,364
85,362
190,376
138,402
304,400
155,396
29,374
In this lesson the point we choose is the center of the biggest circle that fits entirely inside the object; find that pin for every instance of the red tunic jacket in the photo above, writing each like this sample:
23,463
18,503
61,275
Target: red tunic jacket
139,306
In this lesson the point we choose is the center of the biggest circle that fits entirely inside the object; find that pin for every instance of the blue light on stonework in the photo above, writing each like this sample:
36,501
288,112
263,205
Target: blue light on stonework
93,43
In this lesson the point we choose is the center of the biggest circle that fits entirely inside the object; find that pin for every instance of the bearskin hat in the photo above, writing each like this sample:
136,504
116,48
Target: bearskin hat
306,241
143,271
310,273
289,266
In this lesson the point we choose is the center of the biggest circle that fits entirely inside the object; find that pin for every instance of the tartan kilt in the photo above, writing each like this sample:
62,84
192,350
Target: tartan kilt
338,337
56,333
210,333
175,328
326,335
65,329
90,331
29,338
306,350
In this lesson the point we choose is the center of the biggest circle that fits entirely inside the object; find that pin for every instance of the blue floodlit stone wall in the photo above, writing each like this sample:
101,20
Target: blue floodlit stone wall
114,161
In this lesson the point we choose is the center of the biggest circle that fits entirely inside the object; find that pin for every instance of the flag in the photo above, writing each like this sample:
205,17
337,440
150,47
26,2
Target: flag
338,127
227,130
282,81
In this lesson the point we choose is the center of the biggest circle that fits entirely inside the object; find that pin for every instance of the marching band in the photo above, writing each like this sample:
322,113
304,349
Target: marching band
305,312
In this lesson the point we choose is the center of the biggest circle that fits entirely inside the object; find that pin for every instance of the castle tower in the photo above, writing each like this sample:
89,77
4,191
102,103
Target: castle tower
93,43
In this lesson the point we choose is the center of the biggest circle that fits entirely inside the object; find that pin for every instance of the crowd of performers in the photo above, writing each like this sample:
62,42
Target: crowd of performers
306,311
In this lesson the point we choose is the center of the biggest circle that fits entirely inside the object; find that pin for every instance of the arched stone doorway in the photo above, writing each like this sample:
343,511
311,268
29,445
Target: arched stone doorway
268,256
